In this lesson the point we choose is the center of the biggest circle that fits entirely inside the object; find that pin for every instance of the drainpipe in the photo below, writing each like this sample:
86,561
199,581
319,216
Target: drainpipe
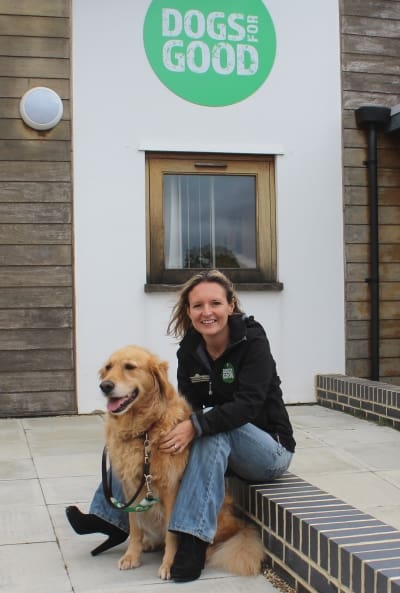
371,118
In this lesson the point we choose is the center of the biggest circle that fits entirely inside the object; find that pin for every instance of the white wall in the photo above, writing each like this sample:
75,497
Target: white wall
120,109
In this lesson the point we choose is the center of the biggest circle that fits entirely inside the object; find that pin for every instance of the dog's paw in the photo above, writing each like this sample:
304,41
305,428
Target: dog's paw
128,561
164,572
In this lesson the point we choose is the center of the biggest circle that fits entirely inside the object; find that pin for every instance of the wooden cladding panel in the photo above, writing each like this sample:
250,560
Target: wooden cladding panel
360,253
384,9
358,272
16,87
56,8
36,360
28,382
39,234
370,75
35,171
36,273
13,129
370,27
389,215
359,329
353,99
361,310
356,157
361,349
359,195
53,213
32,297
34,150
373,68
359,291
35,255
34,67
370,46
355,138
34,26
359,233
17,192
368,83
42,403
36,339
36,319
56,47
13,276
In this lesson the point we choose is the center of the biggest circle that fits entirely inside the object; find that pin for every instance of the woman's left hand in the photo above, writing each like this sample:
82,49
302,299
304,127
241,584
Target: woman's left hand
178,438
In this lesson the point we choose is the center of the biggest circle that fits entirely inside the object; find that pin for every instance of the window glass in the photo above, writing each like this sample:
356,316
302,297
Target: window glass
209,221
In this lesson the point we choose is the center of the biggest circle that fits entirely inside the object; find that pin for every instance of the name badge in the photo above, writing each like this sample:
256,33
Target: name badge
200,378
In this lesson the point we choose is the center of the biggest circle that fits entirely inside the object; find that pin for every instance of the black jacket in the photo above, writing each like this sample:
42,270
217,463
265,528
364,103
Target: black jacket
242,385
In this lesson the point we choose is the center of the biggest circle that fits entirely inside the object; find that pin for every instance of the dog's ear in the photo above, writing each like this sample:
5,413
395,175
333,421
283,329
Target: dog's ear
159,370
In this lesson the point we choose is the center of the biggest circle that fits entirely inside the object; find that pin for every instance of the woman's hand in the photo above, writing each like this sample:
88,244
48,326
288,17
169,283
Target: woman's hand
178,438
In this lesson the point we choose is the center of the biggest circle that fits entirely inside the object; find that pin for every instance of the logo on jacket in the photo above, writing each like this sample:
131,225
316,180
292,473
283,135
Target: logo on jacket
228,373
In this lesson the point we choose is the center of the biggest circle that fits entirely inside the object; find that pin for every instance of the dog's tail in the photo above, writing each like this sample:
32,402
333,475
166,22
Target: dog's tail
241,554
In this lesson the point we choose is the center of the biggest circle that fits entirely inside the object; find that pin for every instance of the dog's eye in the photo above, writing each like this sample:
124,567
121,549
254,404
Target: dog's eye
129,366
108,367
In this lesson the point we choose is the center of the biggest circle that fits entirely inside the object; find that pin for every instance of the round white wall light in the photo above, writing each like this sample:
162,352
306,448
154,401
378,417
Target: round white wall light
41,108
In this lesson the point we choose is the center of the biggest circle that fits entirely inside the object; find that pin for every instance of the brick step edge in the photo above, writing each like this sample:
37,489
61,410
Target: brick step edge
371,400
318,543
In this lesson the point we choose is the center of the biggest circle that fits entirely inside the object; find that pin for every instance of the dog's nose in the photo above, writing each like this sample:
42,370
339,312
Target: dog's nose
107,387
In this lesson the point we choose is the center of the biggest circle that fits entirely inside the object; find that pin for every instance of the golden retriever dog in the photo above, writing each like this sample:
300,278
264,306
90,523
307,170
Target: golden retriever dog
142,403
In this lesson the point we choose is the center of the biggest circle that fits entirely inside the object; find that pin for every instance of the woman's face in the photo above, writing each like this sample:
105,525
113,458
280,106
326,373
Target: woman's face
209,309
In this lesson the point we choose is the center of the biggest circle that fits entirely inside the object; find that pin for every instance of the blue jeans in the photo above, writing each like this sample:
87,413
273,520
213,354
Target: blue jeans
251,453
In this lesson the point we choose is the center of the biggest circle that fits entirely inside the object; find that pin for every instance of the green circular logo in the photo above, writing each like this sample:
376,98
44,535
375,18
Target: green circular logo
210,52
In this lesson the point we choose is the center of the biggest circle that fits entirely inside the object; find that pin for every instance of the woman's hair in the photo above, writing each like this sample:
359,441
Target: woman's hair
180,321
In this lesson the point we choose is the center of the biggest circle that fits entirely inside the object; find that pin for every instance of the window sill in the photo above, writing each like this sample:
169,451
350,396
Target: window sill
239,286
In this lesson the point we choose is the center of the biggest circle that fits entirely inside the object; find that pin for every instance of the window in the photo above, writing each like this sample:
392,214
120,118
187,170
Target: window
211,211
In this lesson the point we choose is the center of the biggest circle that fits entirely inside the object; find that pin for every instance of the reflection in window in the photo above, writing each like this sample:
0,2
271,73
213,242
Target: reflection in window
209,221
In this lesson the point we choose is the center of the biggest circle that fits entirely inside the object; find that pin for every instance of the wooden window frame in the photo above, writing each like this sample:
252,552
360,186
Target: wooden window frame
264,276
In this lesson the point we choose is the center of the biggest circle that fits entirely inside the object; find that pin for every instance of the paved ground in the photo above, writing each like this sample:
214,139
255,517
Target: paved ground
48,463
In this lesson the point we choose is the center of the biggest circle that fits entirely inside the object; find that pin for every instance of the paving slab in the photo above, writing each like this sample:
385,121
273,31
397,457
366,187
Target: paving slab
360,433
215,585
323,460
78,423
17,469
360,489
25,525
49,463
388,514
13,443
392,476
63,490
58,466
33,568
21,492
374,455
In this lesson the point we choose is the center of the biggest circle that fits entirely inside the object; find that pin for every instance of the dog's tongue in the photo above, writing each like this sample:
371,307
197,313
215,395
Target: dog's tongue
114,403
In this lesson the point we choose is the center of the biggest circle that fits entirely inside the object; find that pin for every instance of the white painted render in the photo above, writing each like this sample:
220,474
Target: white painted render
120,109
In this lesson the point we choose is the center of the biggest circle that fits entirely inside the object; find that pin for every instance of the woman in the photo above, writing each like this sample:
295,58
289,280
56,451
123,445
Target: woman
228,375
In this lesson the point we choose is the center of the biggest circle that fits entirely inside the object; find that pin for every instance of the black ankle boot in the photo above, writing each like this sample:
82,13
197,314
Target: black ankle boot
189,559
84,524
